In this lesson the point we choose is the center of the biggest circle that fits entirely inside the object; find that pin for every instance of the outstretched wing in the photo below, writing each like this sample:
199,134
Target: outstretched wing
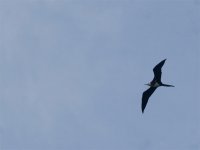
146,95
157,71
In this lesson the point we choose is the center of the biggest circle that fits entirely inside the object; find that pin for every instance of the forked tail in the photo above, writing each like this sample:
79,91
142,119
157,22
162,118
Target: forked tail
167,85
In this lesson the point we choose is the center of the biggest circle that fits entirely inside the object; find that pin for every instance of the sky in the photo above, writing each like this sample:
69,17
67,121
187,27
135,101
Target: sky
72,74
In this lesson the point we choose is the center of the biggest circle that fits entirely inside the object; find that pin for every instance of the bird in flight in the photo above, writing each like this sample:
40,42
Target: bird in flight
154,84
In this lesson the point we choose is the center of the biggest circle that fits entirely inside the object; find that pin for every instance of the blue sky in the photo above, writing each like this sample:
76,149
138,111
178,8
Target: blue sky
73,72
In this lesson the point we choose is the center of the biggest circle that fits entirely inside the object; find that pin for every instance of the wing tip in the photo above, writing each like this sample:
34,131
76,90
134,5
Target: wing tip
143,110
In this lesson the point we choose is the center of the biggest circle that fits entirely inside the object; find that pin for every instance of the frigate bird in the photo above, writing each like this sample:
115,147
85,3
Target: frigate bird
154,84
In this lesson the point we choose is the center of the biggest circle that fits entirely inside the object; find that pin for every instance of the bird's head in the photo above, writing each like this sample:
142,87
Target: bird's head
148,84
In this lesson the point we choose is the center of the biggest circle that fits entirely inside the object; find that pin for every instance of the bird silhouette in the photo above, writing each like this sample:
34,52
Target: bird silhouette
154,84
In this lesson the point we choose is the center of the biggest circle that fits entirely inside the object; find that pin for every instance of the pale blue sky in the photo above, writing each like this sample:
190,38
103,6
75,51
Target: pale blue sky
72,74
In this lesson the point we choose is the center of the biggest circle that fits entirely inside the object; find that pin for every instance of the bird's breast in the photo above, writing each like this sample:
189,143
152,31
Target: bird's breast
156,84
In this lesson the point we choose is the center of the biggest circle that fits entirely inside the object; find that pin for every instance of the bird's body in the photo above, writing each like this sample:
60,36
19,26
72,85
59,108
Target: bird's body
154,84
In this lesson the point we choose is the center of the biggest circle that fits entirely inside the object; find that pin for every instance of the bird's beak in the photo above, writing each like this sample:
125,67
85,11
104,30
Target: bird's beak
146,84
